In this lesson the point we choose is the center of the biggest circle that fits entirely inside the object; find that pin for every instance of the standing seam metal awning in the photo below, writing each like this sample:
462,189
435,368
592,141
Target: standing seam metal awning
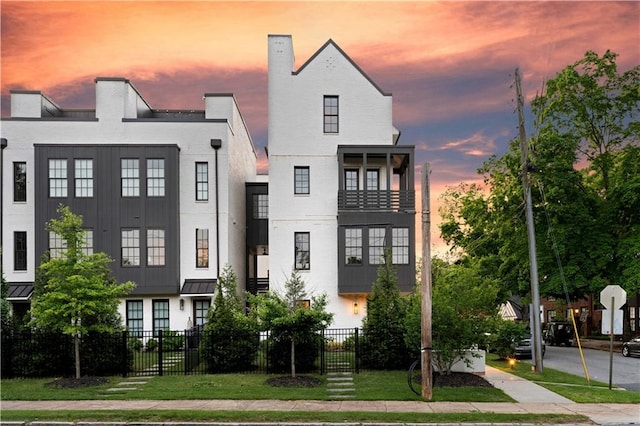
19,291
199,286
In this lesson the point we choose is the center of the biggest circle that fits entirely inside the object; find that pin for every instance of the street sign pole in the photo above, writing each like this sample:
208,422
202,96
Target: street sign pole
613,299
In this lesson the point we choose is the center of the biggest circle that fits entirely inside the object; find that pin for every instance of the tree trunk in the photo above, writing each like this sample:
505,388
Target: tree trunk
293,358
76,344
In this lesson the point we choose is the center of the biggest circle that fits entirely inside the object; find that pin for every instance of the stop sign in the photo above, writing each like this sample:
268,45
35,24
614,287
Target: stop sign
618,294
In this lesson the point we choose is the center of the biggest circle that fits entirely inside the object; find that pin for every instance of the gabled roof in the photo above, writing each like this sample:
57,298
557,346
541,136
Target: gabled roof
332,43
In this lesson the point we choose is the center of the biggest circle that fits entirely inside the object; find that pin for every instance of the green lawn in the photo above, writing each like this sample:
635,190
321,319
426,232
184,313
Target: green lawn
568,385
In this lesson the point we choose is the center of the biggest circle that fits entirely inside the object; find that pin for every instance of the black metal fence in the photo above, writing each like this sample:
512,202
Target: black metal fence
29,354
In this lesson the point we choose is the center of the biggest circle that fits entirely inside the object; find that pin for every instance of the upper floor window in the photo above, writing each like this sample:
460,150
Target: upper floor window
400,246
373,179
331,114
57,178
351,180
202,248
87,243
155,177
301,180
130,247
353,246
130,177
202,181
260,206
84,178
302,249
20,251
57,245
20,181
376,245
155,247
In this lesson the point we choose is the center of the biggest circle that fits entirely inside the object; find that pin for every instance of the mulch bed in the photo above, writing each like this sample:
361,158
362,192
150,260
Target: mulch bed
72,382
456,380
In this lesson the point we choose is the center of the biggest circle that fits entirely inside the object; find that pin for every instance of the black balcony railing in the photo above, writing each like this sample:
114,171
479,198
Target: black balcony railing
257,285
393,201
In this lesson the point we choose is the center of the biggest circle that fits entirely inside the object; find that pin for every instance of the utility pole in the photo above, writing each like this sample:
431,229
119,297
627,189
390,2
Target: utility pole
426,338
536,332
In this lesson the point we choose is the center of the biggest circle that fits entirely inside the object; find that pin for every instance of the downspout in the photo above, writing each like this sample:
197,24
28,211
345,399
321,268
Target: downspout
3,145
216,144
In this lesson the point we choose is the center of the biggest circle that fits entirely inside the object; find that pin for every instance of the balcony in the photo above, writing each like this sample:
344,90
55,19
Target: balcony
257,285
377,201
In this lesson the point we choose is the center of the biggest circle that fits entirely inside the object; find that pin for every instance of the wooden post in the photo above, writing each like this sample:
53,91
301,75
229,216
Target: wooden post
425,350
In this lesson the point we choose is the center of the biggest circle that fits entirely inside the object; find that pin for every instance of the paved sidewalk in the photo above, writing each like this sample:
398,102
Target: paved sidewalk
530,397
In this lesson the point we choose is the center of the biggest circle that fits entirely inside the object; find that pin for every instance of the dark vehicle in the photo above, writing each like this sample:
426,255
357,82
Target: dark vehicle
559,333
632,347
523,348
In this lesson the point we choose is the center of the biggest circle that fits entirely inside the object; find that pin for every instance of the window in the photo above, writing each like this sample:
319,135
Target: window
353,246
202,248
135,318
301,180
551,315
373,182
200,309
57,178
302,248
84,178
160,316
20,181
130,247
351,180
376,245
260,206
400,246
155,247
155,177
19,251
331,114
57,245
202,181
130,177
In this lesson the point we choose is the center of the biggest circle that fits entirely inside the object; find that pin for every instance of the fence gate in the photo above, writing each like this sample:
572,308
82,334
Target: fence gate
340,351
164,352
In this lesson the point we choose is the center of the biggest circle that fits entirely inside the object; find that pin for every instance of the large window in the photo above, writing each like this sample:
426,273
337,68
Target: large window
400,246
351,180
57,178
155,177
20,251
84,178
130,247
301,180
57,245
155,247
20,181
202,181
200,309
160,316
373,181
331,114
260,206
376,245
130,177
135,318
353,246
302,249
87,244
202,248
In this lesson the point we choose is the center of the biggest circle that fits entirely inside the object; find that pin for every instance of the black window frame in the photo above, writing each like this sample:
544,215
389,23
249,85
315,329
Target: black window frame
20,181
135,323
156,323
331,114
202,249
353,246
301,180
202,181
20,251
302,245
199,313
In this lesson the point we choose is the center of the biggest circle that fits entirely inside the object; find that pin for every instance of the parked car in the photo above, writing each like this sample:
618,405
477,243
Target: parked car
523,348
559,333
632,347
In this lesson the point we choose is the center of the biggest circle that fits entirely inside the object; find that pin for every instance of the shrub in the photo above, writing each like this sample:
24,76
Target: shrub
152,345
507,335
172,341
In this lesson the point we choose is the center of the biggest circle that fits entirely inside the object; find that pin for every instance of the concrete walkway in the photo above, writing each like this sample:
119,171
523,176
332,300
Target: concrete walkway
530,397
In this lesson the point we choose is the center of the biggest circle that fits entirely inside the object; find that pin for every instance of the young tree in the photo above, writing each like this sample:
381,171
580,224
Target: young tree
79,293
230,339
287,317
383,342
5,309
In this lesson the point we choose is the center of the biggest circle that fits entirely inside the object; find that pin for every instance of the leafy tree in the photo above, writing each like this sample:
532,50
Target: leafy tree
230,339
79,293
5,308
291,321
383,344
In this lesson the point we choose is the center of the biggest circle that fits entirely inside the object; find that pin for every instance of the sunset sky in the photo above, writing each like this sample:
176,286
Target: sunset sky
449,65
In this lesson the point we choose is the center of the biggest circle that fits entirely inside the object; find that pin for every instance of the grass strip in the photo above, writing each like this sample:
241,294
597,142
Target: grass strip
284,416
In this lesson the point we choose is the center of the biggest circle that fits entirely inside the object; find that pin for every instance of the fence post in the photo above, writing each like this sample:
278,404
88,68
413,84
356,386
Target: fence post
160,352
185,347
125,354
322,351
357,350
